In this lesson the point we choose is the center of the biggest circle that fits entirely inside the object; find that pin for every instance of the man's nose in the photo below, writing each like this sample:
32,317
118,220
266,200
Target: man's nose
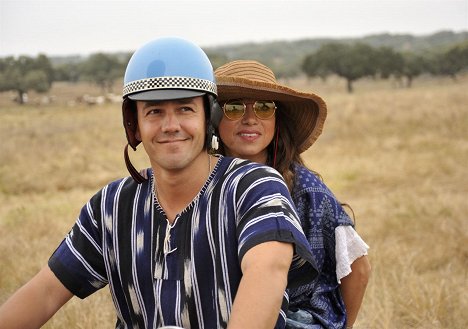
171,122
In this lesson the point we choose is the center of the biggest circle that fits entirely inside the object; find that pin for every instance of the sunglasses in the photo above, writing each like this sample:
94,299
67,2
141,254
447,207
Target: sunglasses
235,109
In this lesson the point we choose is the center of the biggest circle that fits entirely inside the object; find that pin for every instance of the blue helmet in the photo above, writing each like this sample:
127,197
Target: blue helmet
168,68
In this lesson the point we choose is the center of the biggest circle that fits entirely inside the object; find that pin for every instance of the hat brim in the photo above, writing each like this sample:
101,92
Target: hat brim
305,113
164,94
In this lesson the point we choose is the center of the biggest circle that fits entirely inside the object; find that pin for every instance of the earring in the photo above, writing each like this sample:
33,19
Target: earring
214,142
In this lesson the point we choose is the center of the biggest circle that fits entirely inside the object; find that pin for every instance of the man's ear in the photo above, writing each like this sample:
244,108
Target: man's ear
130,121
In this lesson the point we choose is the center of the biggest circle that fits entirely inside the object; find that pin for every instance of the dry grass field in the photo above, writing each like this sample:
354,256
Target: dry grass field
398,156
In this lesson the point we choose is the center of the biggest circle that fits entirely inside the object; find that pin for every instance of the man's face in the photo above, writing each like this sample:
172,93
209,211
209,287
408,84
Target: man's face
172,132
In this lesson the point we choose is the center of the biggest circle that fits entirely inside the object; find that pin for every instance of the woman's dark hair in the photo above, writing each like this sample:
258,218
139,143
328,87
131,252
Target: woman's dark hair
286,151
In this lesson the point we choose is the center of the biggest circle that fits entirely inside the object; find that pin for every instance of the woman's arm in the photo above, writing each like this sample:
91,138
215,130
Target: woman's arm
264,278
353,287
35,302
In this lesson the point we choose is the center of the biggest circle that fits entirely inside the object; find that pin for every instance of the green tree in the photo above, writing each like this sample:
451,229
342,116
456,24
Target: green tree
451,61
103,70
413,66
350,62
42,63
69,72
38,79
389,62
324,61
24,74
313,66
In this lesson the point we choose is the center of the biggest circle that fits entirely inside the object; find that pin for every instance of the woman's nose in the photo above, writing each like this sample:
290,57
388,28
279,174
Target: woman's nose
249,116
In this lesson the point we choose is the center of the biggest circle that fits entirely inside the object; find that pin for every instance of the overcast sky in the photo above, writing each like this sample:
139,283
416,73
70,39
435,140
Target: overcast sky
69,27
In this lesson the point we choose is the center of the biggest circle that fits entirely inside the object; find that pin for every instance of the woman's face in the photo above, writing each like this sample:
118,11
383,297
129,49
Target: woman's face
249,136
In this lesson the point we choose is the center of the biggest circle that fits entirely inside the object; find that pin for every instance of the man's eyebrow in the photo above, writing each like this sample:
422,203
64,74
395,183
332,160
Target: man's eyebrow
148,104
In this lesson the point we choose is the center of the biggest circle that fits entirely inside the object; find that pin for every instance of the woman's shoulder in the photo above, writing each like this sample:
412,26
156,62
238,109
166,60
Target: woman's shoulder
309,182
306,177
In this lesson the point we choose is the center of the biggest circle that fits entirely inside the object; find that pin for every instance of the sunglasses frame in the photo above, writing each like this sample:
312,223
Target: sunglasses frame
245,109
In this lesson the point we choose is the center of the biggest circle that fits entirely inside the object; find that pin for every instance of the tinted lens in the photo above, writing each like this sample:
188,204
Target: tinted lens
234,110
264,109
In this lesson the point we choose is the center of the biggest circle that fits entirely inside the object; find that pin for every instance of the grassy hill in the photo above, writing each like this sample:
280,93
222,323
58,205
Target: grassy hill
397,156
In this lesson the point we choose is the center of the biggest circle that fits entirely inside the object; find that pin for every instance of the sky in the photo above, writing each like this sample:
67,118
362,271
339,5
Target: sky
75,27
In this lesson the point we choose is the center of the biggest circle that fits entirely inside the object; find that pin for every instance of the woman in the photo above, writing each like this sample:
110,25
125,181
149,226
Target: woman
273,124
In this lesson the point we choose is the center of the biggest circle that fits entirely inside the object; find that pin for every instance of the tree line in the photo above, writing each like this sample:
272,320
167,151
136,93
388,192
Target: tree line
351,61
23,74
359,60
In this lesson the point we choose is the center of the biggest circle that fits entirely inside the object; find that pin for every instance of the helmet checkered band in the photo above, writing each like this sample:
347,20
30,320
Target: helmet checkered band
169,83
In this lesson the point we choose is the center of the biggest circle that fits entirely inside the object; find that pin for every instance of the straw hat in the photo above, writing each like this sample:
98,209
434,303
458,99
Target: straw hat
305,113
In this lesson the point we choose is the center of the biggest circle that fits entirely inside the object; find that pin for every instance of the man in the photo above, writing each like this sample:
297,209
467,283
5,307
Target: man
196,241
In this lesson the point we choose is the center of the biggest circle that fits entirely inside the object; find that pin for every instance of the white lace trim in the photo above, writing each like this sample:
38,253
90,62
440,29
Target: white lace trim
349,246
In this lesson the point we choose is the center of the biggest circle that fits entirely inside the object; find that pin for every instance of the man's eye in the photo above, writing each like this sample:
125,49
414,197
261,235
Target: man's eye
153,111
186,109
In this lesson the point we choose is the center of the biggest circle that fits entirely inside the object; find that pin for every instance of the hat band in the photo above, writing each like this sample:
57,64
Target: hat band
169,83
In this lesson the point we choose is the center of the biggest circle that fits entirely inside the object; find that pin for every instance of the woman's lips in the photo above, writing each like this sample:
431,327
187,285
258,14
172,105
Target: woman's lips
249,135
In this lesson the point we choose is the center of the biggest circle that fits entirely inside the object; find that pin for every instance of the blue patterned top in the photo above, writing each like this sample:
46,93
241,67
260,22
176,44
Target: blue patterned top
320,213
185,273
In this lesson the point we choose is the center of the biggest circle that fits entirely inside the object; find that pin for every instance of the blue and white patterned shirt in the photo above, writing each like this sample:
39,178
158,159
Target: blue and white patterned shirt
320,214
187,273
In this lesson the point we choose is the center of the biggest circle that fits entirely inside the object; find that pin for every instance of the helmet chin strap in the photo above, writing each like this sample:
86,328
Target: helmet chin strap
131,169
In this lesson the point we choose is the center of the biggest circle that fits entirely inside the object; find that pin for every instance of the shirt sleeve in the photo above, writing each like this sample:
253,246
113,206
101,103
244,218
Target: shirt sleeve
266,213
78,261
349,246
